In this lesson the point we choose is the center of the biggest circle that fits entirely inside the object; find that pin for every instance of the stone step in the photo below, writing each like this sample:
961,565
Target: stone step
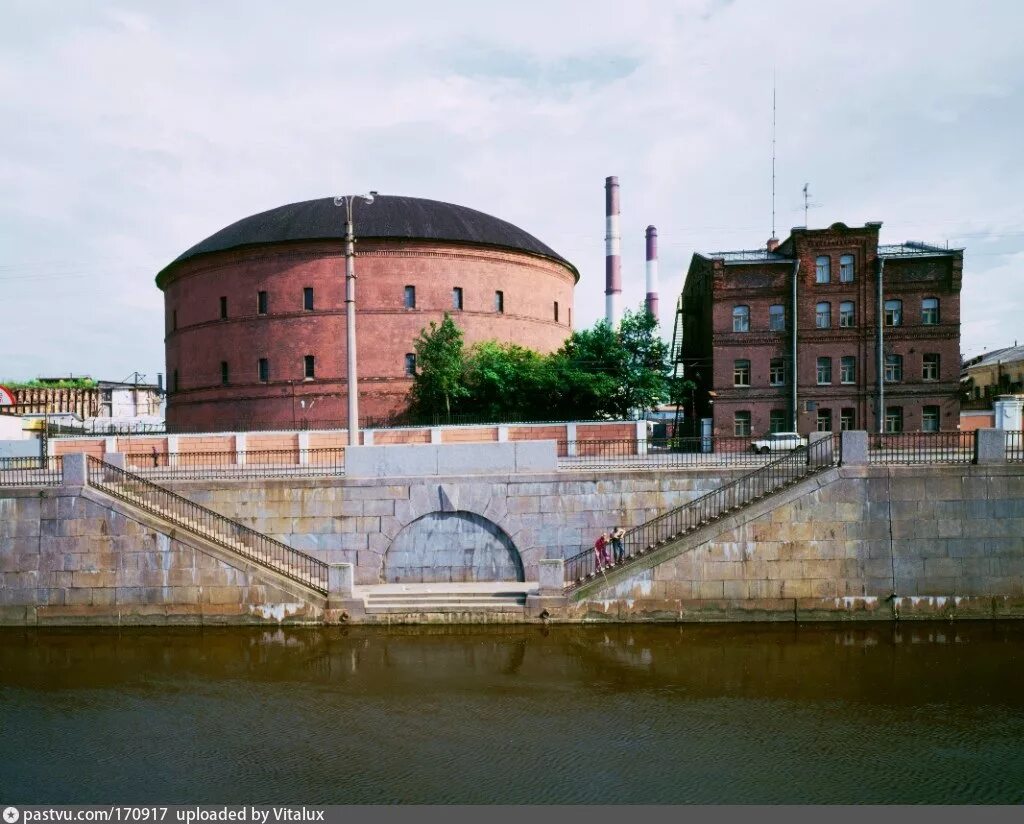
444,595
443,606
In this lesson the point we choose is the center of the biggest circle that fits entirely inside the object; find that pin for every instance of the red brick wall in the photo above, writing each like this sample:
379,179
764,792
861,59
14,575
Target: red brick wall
759,285
477,434
386,329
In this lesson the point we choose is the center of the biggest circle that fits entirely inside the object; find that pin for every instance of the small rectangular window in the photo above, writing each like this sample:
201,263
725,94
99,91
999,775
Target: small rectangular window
846,269
499,302
930,367
824,420
224,372
822,273
457,297
777,420
777,372
930,419
846,316
410,365
894,419
307,298
893,368
309,367
824,370
174,319
741,319
894,313
223,307
174,381
741,424
263,370
847,419
741,373
261,303
848,369
777,318
823,316
556,311
930,311
410,297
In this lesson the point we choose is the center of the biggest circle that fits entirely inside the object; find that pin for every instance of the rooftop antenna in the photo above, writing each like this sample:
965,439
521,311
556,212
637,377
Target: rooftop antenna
773,153
806,203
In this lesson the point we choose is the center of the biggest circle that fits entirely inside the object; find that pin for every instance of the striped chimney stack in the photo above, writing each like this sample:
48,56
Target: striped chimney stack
612,253
652,271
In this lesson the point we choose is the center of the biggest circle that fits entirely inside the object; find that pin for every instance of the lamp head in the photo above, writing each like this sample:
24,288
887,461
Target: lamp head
339,201
369,197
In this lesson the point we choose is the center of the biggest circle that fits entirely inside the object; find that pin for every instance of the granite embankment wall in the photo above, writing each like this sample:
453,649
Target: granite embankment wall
873,542
356,521
69,556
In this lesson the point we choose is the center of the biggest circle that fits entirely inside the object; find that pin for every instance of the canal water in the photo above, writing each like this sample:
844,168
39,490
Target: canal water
909,713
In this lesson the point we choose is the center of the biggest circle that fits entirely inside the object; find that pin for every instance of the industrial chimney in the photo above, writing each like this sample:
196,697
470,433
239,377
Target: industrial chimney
652,271
612,253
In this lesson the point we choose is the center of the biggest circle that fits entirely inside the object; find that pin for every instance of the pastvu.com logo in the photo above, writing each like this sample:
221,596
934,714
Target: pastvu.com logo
11,815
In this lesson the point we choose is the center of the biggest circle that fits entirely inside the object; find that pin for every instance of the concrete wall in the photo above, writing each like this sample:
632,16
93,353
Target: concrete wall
854,542
69,557
348,520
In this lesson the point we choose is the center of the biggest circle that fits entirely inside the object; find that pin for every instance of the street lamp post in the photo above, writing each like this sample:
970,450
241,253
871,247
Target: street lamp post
350,315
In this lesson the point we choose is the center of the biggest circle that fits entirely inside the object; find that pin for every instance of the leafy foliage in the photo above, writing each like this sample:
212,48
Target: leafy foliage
440,357
597,373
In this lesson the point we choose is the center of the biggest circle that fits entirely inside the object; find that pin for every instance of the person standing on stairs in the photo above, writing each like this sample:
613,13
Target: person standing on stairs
617,549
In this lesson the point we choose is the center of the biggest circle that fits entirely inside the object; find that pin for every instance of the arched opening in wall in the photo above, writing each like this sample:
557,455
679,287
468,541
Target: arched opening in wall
451,546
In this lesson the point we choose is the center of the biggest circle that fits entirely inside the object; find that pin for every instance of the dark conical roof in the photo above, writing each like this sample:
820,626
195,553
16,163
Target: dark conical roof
388,216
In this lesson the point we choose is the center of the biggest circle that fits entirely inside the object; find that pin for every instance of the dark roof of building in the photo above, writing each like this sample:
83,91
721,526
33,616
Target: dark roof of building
913,248
390,217
747,256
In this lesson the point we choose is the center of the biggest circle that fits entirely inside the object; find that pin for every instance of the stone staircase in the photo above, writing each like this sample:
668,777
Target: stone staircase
182,514
679,528
440,598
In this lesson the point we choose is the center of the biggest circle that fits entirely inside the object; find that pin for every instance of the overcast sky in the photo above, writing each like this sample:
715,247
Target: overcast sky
133,130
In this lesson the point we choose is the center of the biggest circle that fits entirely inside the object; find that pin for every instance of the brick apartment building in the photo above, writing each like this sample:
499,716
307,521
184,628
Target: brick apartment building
740,342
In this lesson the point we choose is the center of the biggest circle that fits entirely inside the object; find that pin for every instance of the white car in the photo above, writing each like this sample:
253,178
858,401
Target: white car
778,442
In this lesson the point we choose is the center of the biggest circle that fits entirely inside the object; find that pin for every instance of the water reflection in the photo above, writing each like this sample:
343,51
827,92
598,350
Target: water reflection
924,712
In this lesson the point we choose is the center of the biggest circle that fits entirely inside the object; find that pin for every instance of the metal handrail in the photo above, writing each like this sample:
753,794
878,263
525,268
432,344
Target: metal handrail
773,476
32,471
253,463
221,530
921,447
1014,446
634,453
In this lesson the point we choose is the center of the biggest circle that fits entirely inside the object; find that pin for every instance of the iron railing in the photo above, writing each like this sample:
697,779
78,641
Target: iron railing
773,476
31,471
921,447
1015,447
631,453
255,463
208,524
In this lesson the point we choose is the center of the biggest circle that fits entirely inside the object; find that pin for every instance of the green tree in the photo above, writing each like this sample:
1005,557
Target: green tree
585,376
646,371
506,381
440,364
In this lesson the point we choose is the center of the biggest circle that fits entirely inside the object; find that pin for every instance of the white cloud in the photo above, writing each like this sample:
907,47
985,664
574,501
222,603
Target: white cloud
136,130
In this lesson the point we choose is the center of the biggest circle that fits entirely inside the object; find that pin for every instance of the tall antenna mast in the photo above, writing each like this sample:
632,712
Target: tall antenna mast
806,203
773,153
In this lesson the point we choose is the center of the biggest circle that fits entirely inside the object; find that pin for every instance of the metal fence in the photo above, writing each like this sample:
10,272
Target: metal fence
255,463
776,474
31,471
1015,447
921,447
670,453
211,525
